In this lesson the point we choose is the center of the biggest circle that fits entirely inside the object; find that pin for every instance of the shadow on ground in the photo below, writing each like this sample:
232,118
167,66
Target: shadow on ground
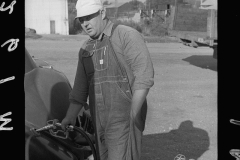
32,36
203,61
186,140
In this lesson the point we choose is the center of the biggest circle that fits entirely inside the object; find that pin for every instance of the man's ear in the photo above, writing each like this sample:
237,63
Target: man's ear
103,13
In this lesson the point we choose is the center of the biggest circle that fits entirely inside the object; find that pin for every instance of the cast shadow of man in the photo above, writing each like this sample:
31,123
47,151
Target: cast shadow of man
186,140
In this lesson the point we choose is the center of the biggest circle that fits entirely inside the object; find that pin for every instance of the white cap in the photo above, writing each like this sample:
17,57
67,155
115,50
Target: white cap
87,7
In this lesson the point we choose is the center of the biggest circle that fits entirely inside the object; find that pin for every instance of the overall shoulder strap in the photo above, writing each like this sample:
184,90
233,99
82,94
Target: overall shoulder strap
113,28
122,62
86,59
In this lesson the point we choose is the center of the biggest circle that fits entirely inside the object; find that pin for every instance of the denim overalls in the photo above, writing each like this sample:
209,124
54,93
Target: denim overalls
117,138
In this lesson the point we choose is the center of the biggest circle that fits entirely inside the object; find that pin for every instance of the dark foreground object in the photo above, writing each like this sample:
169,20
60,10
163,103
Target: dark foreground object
46,99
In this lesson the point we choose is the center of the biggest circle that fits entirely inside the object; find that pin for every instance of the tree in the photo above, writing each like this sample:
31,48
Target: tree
106,3
136,4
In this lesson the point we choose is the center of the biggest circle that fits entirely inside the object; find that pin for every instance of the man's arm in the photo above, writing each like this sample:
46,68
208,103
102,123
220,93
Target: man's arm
78,95
138,58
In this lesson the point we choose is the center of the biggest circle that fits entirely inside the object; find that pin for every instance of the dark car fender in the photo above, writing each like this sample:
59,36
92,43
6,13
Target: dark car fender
46,96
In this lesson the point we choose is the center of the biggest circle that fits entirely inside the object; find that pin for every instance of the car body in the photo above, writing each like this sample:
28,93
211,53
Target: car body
46,99
41,63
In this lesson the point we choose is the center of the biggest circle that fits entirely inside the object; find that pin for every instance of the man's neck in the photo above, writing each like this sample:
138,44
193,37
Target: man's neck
99,37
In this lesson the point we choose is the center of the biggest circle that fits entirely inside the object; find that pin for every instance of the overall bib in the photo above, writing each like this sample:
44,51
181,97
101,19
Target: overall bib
117,137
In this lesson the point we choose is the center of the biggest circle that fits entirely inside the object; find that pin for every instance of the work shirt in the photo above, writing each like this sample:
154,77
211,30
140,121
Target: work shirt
130,44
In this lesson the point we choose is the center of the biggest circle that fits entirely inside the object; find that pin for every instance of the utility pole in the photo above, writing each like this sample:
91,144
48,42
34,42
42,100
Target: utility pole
175,15
148,10
134,4
116,6
149,4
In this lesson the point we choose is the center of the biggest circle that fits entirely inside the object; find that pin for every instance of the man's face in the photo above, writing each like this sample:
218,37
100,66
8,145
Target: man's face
92,24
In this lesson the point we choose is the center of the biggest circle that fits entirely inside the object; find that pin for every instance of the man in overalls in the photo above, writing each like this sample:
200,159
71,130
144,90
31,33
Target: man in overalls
115,72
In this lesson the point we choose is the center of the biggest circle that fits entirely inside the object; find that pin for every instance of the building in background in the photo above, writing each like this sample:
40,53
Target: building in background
47,16
124,11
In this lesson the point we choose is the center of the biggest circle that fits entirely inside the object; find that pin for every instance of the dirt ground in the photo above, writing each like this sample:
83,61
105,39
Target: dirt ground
182,104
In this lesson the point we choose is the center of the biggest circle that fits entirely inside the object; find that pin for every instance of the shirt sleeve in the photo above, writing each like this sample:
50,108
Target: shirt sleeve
139,60
79,93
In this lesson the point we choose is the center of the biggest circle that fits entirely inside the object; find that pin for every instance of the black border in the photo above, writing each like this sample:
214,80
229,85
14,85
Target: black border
12,92
228,78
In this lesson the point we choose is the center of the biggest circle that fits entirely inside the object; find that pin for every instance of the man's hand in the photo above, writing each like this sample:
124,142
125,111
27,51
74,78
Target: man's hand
139,97
86,106
71,115
67,121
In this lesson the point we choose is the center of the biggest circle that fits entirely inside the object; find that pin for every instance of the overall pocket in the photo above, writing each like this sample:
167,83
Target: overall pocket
101,59
124,90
